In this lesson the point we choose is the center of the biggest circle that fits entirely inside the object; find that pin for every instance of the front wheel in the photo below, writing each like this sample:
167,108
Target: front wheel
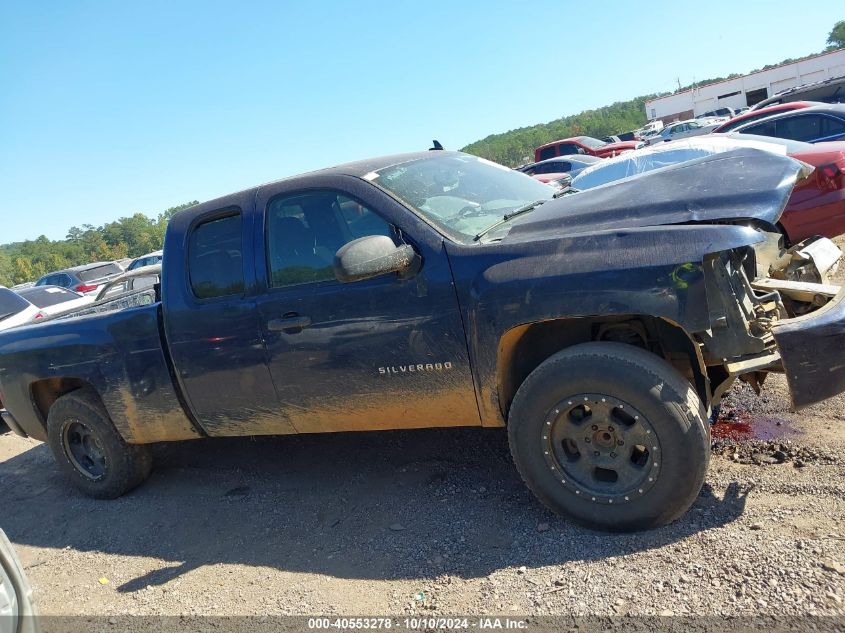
90,451
611,436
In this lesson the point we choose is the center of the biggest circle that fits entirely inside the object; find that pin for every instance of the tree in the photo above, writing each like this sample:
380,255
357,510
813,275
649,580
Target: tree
125,237
836,39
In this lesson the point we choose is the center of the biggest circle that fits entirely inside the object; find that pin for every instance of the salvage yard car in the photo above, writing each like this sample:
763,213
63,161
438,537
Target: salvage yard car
53,300
86,279
14,309
437,289
816,124
583,145
815,208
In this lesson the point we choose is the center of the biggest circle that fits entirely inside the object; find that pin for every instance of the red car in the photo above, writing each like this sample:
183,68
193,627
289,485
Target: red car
762,113
583,145
817,204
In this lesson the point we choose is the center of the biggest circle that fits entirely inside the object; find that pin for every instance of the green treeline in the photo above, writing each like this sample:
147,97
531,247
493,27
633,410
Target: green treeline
126,237
517,146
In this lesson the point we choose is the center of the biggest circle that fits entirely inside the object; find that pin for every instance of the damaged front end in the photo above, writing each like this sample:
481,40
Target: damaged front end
775,310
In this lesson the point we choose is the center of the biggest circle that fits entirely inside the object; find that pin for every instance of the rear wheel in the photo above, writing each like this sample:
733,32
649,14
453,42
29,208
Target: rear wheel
90,451
611,436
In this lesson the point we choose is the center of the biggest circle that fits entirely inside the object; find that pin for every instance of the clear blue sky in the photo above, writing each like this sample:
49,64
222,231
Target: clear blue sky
110,108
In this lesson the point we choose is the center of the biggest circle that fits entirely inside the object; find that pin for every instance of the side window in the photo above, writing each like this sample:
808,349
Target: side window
832,126
567,149
766,128
547,152
304,231
799,128
215,261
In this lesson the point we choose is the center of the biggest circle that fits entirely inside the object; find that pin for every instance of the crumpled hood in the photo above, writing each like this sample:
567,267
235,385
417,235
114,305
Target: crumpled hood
742,184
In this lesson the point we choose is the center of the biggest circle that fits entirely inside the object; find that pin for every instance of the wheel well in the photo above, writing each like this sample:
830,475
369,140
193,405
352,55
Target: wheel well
45,392
524,347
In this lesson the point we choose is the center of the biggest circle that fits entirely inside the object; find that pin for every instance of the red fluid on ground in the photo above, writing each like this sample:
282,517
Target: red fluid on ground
740,425
724,429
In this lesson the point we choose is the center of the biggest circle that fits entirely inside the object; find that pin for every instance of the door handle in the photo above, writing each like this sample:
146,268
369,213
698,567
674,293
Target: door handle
290,323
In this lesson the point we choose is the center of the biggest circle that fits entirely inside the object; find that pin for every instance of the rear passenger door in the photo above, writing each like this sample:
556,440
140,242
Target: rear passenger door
212,326
382,353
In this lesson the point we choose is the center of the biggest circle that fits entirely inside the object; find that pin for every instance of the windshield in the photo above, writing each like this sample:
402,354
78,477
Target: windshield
11,303
592,143
461,194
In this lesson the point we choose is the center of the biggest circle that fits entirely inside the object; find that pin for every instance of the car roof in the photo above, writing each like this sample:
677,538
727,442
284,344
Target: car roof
34,290
80,268
358,168
567,158
773,109
569,139
827,108
157,253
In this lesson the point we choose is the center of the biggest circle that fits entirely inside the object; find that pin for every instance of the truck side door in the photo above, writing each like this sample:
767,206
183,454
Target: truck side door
211,321
382,353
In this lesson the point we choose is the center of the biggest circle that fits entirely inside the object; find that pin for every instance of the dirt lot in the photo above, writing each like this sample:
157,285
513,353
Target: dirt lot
434,522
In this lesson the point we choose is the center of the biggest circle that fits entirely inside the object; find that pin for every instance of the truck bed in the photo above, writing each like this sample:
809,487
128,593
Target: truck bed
118,352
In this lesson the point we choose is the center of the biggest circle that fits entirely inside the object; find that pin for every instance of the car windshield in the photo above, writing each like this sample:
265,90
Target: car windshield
11,303
592,143
618,169
460,194
46,296
586,160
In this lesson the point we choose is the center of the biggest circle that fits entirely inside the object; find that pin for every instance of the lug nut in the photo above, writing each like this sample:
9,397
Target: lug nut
595,428
587,440
613,454
620,442
596,453
610,428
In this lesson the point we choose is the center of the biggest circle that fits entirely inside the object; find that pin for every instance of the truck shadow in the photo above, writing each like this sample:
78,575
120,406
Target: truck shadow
386,505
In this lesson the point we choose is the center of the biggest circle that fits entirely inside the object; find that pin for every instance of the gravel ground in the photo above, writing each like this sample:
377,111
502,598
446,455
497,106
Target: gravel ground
434,522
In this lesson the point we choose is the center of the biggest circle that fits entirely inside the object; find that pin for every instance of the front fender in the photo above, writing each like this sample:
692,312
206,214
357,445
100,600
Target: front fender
652,271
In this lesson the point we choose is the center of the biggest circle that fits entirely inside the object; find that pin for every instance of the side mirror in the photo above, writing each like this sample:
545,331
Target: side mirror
373,256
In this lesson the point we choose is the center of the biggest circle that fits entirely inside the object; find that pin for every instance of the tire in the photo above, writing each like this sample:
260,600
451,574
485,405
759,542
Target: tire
89,450
610,436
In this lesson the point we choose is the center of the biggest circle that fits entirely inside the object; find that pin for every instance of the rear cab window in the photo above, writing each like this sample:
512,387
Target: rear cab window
215,260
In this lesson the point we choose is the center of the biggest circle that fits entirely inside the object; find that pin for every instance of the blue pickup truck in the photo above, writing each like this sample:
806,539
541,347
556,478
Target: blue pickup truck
437,289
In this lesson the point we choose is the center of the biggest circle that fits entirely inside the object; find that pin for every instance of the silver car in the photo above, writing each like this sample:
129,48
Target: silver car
683,129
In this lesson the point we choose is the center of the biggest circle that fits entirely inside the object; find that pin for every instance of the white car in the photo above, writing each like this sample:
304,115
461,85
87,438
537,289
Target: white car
54,300
665,154
150,259
14,309
682,129
651,128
